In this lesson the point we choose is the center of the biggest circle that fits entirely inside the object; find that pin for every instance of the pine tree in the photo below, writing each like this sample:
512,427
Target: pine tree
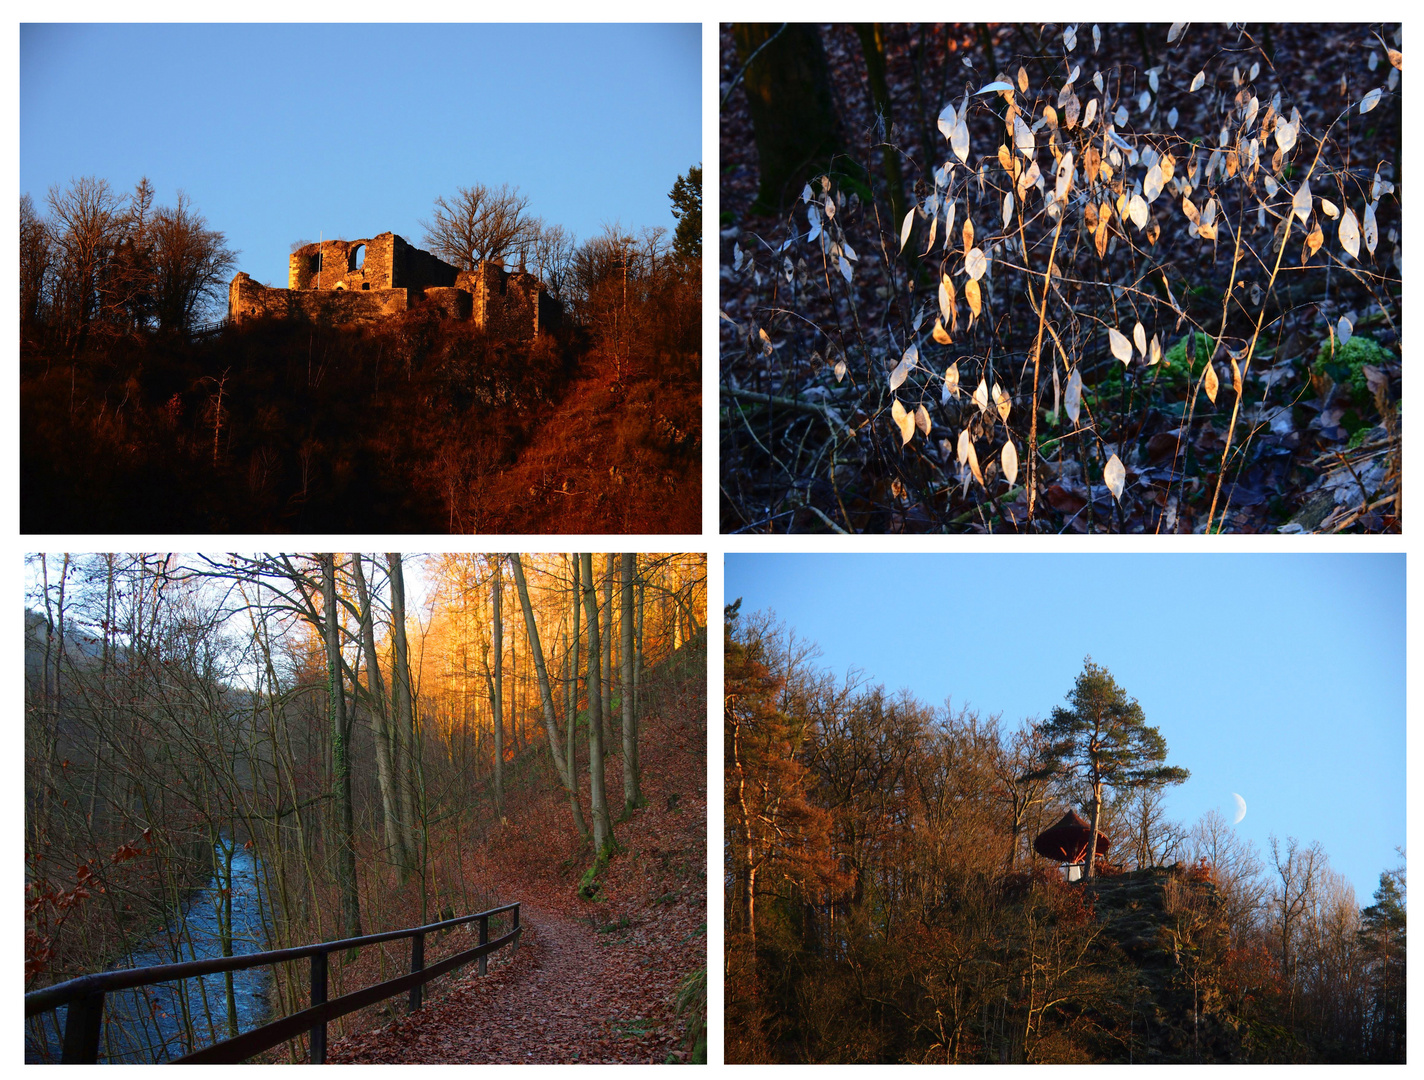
686,196
1105,739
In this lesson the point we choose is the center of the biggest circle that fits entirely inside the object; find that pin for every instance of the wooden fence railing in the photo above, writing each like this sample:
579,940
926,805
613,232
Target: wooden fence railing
85,995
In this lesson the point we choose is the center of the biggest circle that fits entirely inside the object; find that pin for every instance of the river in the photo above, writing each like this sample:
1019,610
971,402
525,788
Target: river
160,1022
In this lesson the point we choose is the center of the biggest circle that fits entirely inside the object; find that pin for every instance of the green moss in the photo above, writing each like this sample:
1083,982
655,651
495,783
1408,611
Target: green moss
1346,365
1169,377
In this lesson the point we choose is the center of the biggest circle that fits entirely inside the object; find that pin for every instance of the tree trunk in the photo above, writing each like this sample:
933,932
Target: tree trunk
632,796
406,778
572,715
1093,831
607,666
788,88
386,768
638,648
872,46
340,763
603,842
496,693
546,697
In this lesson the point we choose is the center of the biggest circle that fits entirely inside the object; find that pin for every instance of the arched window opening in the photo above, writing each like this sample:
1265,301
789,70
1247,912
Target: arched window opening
357,257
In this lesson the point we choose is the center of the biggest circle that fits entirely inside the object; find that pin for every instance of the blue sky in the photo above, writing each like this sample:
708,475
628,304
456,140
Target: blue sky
283,132
1280,677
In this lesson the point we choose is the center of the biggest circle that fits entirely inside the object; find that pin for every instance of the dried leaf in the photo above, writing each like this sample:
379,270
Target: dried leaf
845,270
1002,403
993,87
1010,460
946,295
1154,356
1008,207
940,334
1023,81
903,420
840,370
1121,347
1137,211
1285,135
906,226
1370,100
974,465
1063,178
1300,202
1152,184
959,141
1314,239
947,120
968,235
975,264
1175,31
1139,338
1371,228
1023,137
1350,233
1073,396
922,419
971,294
1346,329
964,447
1197,82
1113,476
1331,210
951,383
1211,383
981,396
1235,375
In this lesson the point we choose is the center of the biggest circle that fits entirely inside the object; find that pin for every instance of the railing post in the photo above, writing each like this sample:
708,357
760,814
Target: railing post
318,997
81,1030
516,927
484,940
417,963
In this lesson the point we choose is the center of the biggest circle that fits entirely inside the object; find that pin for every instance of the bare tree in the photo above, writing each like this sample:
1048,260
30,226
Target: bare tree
191,264
552,258
1299,872
85,224
1237,869
479,224
36,264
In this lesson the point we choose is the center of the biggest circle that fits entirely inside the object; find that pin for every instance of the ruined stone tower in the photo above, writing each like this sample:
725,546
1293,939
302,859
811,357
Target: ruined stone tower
356,281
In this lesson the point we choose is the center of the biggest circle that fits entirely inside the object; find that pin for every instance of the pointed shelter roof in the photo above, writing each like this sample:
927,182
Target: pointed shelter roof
1067,841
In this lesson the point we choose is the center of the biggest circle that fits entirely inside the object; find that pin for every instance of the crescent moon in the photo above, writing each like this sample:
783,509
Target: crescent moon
1240,808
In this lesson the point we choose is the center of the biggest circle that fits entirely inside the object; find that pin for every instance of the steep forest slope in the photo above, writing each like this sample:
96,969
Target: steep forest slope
416,425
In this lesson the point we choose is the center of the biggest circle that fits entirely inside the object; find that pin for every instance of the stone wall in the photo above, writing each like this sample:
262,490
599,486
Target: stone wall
332,264
504,303
248,299
455,303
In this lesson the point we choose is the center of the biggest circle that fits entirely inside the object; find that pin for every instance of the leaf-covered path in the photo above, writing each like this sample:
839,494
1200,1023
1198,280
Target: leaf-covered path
592,981
555,1001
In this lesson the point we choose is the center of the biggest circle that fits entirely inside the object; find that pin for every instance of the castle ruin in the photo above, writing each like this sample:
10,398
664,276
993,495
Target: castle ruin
363,281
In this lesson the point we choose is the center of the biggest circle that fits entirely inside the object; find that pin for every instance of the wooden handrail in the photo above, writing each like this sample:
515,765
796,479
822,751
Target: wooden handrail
85,995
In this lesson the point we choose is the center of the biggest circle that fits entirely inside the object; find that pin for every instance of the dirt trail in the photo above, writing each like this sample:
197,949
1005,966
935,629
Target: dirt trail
592,981
548,1003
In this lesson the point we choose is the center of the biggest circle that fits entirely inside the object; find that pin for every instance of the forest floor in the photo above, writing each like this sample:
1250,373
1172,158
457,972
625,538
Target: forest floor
591,981
810,446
